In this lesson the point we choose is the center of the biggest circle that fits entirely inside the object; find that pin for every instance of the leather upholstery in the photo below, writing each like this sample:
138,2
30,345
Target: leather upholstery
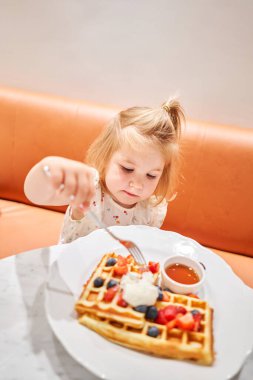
25,227
214,204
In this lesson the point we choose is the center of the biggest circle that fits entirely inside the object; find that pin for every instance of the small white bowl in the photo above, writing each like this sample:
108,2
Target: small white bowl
178,287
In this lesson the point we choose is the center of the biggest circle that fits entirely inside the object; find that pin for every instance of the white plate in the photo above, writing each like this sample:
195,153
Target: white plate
231,300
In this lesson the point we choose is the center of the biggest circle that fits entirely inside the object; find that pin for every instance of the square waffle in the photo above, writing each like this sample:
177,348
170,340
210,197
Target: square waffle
122,324
92,298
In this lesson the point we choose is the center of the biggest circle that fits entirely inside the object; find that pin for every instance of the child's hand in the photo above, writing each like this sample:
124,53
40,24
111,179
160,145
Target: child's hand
60,181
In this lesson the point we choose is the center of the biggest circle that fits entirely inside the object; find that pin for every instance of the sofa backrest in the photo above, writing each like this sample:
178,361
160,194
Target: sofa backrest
214,204
34,126
215,199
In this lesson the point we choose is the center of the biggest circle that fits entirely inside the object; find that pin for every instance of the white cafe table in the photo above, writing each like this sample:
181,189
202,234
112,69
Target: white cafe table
28,347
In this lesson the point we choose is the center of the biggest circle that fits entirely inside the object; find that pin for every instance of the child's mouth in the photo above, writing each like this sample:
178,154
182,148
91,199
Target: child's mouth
130,194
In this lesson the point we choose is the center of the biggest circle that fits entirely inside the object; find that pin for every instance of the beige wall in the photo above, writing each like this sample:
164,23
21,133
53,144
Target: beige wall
134,52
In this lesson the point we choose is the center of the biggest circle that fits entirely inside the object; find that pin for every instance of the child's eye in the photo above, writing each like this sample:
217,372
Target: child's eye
125,169
150,176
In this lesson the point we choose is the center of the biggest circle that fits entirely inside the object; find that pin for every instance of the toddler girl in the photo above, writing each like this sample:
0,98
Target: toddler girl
131,168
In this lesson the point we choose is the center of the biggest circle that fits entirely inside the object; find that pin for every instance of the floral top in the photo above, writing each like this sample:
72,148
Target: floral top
112,214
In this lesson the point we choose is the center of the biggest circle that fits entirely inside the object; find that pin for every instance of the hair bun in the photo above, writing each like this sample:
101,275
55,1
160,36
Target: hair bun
172,105
175,112
166,107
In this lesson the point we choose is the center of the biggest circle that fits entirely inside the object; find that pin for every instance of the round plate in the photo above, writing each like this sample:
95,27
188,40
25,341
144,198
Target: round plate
231,300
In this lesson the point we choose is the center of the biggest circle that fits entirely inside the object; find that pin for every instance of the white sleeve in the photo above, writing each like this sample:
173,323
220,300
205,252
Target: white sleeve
73,229
158,214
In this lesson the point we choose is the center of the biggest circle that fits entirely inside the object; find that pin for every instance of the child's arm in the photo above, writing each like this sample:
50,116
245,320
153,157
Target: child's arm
56,186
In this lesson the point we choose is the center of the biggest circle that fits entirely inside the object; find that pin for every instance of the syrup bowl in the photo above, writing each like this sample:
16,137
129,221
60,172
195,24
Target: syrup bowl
182,274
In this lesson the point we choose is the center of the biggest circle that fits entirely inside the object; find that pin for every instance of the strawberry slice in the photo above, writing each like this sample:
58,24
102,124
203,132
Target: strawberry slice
119,270
110,293
130,259
170,312
121,302
160,319
121,267
171,324
122,261
181,310
126,243
186,322
166,314
153,267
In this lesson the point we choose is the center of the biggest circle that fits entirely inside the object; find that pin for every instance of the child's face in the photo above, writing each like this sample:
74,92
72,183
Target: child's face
132,176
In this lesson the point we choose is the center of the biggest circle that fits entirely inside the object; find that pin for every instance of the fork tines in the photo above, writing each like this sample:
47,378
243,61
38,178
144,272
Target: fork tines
137,254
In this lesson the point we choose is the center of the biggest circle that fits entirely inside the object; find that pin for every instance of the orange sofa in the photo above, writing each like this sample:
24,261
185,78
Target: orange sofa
215,198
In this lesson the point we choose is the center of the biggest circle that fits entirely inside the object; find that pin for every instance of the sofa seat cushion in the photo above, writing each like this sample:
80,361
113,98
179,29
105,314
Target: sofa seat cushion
24,227
241,265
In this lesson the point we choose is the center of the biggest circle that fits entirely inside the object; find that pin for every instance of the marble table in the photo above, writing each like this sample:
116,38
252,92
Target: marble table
28,347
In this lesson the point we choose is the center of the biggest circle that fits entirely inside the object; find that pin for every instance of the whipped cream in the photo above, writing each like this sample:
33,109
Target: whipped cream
138,289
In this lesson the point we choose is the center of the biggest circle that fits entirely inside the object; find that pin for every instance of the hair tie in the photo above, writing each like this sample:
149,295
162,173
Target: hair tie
166,108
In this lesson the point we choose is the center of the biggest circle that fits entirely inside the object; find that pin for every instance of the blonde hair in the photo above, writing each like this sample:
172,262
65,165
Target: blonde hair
137,127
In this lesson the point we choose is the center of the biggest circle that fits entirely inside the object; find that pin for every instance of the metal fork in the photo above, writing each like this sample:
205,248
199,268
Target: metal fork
134,251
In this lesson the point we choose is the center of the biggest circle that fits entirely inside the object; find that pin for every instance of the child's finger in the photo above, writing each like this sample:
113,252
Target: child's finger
68,186
55,176
84,191
84,206
47,171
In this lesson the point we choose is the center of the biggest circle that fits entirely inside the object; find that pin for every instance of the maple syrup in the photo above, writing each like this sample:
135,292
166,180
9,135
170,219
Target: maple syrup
182,273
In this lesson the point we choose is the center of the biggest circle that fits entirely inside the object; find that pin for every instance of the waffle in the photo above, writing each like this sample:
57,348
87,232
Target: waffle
92,298
128,327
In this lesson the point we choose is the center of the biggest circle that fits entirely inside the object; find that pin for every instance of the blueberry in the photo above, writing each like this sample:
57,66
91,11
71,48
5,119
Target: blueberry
98,282
111,283
195,312
160,296
141,308
110,262
151,313
153,331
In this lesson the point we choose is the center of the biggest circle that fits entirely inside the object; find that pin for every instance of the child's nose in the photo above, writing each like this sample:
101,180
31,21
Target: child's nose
136,184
